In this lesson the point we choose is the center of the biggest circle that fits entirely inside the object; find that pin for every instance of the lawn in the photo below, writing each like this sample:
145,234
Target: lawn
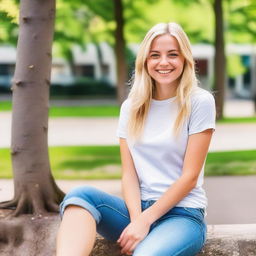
103,162
106,111
85,111
74,111
5,106
230,120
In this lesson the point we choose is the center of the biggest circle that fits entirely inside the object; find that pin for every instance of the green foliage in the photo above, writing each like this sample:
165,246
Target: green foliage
241,21
9,21
190,15
235,66
102,8
72,22
84,86
79,21
10,8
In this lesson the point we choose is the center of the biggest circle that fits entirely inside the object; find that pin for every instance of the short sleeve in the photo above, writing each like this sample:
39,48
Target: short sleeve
203,113
123,120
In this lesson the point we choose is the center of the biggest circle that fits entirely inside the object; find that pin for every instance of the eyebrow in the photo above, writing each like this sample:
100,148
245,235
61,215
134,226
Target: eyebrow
173,50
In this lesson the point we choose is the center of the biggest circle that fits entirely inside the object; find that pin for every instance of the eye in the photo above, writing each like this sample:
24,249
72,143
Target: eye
154,55
173,55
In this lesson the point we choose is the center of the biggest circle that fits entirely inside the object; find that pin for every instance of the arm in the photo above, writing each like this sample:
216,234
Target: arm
130,183
195,155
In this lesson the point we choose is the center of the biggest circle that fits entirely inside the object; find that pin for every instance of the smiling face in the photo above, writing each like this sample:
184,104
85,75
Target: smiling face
165,62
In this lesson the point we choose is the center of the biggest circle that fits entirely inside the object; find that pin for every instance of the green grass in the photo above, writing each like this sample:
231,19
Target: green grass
238,120
231,163
103,162
5,106
76,162
106,111
74,111
84,111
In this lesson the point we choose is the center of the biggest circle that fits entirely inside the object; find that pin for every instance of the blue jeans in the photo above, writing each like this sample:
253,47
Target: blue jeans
181,231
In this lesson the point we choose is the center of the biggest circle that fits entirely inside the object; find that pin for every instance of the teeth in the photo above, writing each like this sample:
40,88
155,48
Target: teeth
164,71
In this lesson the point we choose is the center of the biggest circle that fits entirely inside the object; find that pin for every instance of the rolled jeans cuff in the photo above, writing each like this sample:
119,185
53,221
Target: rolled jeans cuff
79,202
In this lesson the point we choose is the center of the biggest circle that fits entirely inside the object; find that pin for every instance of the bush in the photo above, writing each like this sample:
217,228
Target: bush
84,86
5,89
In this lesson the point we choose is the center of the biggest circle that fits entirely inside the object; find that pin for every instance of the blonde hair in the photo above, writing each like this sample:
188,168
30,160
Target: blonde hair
142,89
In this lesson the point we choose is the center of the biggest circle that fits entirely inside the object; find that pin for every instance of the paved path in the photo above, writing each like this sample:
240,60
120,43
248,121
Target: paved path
231,199
101,131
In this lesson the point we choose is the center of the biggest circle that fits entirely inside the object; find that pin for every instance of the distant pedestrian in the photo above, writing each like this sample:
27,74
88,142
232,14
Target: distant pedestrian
165,128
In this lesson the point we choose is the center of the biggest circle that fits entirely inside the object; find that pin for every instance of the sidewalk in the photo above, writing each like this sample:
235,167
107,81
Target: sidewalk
231,199
89,131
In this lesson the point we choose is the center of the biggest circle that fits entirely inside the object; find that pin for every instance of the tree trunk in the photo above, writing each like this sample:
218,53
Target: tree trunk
219,59
100,59
35,189
121,65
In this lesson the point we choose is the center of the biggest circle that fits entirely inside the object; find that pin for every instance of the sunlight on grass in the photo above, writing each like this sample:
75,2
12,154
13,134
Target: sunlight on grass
84,111
108,111
5,106
103,162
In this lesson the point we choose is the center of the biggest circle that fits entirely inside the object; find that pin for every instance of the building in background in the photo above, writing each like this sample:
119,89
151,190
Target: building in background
98,62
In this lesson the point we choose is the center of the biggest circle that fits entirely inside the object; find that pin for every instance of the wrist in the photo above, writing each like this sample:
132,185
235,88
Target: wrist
148,217
134,217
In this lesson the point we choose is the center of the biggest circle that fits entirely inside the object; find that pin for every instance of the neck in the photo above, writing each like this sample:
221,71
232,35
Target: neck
163,92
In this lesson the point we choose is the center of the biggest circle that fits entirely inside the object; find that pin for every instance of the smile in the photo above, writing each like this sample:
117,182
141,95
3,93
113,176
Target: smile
164,71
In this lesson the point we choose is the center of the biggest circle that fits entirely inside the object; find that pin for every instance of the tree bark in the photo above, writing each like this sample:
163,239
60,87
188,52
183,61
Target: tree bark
35,189
219,59
121,65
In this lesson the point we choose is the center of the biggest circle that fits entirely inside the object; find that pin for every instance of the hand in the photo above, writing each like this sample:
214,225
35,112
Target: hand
135,232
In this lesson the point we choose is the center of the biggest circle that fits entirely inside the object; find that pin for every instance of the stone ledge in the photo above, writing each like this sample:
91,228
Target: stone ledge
222,240
32,236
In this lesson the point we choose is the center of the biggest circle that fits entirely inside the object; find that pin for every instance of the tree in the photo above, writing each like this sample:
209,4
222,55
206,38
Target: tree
219,58
35,189
115,13
242,28
122,71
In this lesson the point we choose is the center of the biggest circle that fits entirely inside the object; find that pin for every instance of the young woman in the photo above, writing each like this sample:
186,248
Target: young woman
165,128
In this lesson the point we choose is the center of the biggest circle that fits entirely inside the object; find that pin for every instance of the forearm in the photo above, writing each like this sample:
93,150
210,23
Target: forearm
131,194
130,183
170,198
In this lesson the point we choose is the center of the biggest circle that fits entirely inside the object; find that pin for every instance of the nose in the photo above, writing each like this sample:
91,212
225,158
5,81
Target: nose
163,60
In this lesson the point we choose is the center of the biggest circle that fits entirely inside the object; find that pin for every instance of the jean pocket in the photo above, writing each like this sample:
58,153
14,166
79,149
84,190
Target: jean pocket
195,212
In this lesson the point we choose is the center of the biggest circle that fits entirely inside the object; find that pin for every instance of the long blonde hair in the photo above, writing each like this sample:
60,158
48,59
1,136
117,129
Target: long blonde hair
142,89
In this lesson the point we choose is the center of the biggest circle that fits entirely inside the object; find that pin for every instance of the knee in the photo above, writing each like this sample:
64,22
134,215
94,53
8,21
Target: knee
83,192
81,197
143,250
152,249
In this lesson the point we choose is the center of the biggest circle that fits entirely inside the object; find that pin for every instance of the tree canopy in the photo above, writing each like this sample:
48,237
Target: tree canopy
79,22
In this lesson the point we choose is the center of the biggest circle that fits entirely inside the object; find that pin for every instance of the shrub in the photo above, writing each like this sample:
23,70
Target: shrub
84,86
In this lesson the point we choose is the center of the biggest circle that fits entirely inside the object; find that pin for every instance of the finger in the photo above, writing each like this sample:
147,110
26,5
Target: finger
134,246
121,236
127,246
124,241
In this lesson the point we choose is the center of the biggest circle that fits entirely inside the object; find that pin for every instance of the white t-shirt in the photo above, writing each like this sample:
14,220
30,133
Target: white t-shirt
158,156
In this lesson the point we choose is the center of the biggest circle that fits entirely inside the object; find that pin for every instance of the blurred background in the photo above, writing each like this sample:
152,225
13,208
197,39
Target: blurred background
94,50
